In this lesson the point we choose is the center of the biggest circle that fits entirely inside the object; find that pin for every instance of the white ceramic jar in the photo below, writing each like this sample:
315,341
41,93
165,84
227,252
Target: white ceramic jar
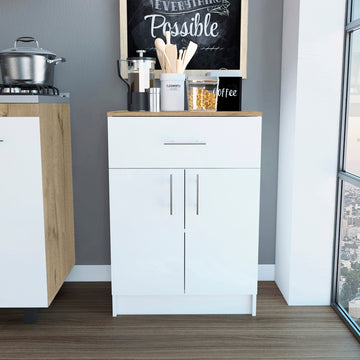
172,92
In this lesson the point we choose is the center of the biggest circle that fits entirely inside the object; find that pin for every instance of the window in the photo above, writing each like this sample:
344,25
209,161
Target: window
352,145
355,13
346,288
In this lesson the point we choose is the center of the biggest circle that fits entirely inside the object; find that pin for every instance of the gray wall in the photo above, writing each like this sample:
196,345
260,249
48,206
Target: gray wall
261,91
86,33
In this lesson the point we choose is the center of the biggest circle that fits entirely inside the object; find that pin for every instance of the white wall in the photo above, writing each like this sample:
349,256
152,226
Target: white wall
309,131
286,139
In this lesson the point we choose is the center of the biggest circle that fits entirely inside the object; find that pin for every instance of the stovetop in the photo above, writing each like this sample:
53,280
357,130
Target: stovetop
25,93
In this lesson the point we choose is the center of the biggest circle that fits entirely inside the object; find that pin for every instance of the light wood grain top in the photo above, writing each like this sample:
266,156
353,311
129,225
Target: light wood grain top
125,113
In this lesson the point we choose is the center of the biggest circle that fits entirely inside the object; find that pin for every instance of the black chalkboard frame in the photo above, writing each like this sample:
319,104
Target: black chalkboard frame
242,46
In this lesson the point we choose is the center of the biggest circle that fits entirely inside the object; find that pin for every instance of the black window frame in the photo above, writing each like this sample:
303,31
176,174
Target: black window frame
343,176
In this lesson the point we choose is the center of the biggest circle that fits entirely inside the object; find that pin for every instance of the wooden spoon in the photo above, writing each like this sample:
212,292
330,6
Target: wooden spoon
189,53
160,52
171,53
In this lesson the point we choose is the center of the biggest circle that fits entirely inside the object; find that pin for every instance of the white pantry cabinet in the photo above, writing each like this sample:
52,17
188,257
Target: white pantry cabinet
36,203
184,212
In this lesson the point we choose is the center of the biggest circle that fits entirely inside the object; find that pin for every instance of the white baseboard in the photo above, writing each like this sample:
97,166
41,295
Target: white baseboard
90,273
266,272
102,273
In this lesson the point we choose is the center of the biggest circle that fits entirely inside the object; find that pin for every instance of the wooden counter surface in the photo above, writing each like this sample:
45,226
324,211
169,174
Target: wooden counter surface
125,113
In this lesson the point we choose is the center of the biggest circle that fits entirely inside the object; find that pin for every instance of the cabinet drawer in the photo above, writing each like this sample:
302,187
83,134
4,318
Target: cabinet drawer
178,142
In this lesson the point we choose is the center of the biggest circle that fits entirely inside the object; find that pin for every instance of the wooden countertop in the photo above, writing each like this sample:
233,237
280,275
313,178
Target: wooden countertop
125,113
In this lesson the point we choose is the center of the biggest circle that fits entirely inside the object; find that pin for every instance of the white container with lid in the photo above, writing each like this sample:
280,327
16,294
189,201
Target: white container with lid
172,92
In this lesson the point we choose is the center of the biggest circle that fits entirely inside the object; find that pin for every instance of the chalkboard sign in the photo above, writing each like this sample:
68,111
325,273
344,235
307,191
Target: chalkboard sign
219,27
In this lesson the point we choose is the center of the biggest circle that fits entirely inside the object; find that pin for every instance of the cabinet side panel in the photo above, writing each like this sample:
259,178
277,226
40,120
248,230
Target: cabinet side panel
58,194
22,245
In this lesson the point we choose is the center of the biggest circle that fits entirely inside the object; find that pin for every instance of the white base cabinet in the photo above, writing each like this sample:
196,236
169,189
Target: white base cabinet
183,240
36,203
22,245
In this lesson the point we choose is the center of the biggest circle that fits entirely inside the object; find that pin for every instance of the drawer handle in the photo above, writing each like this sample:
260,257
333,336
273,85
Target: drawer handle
185,143
171,194
1,140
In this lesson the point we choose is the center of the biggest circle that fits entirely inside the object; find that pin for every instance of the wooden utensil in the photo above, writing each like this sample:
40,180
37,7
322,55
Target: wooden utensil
171,54
189,53
179,63
160,52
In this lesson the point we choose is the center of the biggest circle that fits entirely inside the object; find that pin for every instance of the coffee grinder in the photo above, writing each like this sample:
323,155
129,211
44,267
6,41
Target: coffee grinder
140,78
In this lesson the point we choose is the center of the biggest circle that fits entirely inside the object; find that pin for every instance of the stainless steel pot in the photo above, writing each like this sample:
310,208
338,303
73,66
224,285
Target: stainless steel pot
28,65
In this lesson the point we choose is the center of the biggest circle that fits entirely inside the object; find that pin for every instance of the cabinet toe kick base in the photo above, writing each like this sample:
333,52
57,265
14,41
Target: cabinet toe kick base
183,304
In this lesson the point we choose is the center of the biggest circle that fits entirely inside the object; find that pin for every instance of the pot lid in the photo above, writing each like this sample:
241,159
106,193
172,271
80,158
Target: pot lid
26,49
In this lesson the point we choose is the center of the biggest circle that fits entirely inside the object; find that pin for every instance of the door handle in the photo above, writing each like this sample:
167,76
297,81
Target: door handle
197,193
171,194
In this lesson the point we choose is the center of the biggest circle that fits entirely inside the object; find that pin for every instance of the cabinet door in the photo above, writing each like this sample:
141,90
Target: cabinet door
222,222
147,231
22,239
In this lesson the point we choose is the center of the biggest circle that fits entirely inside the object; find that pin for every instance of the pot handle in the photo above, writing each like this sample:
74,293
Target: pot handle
56,60
26,39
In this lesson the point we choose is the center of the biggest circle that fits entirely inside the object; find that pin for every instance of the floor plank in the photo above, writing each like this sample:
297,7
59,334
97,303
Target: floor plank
79,325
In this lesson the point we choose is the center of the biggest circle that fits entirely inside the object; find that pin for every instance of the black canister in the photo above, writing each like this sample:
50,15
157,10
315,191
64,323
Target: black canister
230,90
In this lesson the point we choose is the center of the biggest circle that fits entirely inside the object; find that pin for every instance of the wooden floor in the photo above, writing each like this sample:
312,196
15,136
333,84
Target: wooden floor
79,325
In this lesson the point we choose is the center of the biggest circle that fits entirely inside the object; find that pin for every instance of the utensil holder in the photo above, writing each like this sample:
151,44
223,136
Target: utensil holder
172,92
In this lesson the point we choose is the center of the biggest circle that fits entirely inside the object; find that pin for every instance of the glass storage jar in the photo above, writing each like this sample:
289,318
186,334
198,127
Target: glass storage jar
202,93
